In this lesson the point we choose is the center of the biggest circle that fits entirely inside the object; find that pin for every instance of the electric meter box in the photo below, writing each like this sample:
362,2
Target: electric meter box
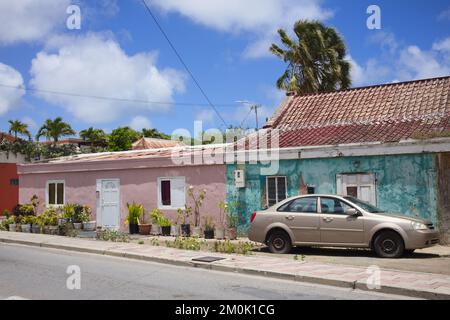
239,179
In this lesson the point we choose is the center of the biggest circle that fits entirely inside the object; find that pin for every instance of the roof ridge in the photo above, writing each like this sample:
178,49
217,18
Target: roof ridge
371,86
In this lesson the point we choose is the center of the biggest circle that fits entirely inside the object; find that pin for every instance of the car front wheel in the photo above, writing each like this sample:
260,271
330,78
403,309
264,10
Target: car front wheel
389,244
279,242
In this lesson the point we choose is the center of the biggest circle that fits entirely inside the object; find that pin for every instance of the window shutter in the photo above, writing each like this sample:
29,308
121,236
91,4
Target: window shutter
178,192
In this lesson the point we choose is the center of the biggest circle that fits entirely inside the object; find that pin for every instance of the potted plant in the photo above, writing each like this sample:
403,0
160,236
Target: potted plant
10,223
38,224
208,227
78,217
198,202
25,222
88,224
232,220
156,216
144,228
175,229
220,228
135,211
165,224
68,214
50,221
183,215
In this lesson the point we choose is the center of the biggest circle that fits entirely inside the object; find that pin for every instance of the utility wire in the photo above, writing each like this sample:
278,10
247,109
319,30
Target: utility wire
183,63
110,98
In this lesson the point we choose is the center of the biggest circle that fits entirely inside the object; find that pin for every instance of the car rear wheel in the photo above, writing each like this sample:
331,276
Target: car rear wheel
279,242
389,244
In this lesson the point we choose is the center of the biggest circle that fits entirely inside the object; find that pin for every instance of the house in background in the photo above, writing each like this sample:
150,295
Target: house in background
108,181
386,144
153,143
9,179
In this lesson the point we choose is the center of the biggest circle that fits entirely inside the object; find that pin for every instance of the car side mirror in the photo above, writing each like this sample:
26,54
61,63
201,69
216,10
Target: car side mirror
353,212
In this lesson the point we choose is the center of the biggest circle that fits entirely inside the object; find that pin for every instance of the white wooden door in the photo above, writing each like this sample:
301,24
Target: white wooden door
109,203
361,186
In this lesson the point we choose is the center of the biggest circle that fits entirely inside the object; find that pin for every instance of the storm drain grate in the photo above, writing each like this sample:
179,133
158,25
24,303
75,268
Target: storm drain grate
207,259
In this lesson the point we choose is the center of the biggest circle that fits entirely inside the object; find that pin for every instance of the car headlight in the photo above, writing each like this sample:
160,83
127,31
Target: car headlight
418,226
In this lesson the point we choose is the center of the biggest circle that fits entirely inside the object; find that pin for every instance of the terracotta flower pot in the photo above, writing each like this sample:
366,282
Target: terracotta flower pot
144,229
231,233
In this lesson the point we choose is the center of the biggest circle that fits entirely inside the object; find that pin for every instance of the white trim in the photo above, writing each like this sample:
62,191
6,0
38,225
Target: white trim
56,182
276,188
158,181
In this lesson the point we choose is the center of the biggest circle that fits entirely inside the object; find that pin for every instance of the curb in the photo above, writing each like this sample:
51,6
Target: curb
248,271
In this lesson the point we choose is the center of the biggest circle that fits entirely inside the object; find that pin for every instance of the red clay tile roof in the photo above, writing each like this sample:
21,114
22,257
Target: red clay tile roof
6,136
152,143
384,113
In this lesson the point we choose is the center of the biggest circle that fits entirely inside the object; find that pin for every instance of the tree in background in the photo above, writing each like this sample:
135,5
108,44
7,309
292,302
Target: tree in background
121,139
55,129
19,128
94,137
316,60
154,133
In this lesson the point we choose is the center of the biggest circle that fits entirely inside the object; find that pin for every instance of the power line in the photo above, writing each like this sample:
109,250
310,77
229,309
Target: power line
70,94
183,63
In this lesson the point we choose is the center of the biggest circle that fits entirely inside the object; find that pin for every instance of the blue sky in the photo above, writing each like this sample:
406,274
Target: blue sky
120,53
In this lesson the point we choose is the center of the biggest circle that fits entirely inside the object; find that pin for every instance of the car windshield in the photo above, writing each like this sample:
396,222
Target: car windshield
365,205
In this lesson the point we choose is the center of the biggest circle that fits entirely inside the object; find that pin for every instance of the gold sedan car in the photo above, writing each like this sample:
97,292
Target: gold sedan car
335,221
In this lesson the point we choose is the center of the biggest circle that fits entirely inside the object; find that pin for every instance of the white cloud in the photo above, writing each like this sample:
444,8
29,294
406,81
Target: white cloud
402,63
205,115
443,45
30,122
10,97
444,15
260,17
418,64
31,20
140,122
96,65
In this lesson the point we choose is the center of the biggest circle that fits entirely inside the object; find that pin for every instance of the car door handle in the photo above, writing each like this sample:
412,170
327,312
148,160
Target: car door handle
289,217
327,219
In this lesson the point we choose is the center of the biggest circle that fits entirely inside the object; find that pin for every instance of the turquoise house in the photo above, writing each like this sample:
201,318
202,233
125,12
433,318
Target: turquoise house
388,145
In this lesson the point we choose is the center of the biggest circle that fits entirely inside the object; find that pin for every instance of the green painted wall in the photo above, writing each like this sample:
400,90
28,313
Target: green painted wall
405,183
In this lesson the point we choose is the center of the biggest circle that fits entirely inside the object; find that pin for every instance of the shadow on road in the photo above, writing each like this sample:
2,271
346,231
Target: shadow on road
340,252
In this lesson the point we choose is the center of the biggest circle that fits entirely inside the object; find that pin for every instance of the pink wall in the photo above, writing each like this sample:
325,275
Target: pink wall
136,184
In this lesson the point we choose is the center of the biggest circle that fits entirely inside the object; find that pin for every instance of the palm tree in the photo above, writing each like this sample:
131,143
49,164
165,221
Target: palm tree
17,127
94,136
316,61
54,129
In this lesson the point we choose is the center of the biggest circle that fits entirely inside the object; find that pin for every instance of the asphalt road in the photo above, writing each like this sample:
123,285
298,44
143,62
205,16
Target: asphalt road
38,273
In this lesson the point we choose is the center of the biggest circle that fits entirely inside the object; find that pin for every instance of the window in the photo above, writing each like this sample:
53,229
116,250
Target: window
171,193
302,205
333,206
276,190
361,186
14,182
55,193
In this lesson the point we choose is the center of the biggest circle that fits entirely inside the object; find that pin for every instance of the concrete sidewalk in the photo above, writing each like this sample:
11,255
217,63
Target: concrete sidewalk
414,284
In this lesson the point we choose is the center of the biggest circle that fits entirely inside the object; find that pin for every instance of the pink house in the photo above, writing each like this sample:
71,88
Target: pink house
107,181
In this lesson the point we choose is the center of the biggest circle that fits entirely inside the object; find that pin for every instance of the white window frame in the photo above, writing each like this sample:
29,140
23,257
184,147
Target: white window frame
47,198
276,188
171,207
341,185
